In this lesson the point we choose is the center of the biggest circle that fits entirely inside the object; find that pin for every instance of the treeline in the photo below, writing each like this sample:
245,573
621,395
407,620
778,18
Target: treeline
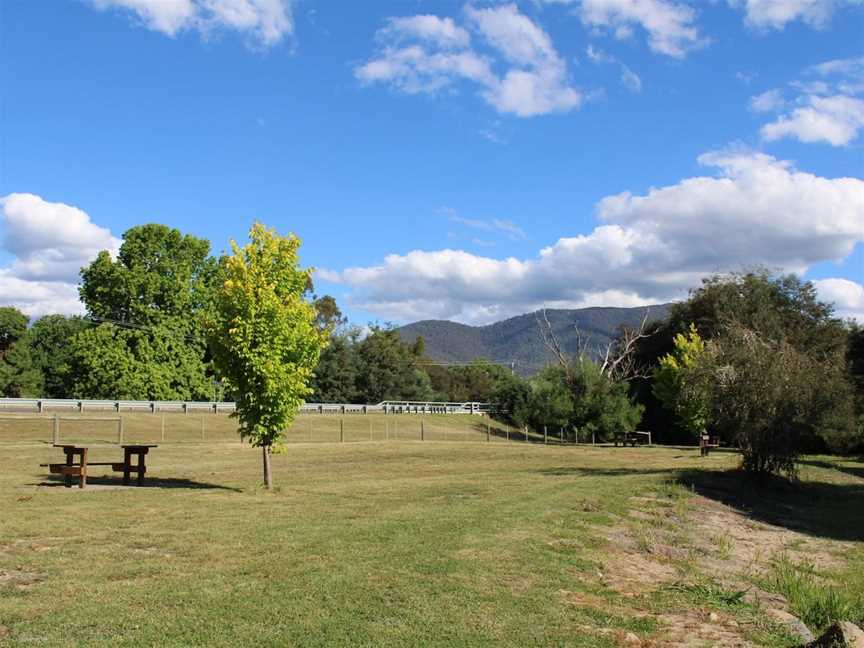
754,358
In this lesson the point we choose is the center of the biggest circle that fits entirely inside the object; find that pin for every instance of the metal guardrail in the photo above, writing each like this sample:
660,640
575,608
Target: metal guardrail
216,407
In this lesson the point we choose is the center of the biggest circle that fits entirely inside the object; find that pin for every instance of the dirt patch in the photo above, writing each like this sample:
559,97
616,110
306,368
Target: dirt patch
659,544
19,578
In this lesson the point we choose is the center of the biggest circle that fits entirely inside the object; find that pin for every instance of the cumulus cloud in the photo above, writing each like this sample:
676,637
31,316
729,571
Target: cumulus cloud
847,297
424,54
828,108
669,25
49,243
776,14
266,22
647,248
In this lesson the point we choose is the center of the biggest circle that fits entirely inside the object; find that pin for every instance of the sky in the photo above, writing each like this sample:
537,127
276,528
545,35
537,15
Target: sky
440,159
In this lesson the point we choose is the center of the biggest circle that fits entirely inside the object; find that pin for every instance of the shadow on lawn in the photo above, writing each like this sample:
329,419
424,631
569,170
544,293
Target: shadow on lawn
564,471
816,508
53,481
849,470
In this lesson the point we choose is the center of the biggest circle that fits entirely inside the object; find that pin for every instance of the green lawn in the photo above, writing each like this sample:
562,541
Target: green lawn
408,543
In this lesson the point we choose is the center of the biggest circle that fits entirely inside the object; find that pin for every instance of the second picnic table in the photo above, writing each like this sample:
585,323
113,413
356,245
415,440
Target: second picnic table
78,469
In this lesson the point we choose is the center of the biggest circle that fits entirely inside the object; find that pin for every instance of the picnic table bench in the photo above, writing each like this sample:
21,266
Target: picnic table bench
706,442
78,469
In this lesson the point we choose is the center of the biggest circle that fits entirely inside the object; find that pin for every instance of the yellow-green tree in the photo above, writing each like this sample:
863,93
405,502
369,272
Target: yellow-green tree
680,387
263,336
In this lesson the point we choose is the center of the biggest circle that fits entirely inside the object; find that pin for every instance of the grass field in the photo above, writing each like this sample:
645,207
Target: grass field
423,544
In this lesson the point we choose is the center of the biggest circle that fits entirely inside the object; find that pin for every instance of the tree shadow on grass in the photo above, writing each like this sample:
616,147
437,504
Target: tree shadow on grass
569,471
815,508
53,481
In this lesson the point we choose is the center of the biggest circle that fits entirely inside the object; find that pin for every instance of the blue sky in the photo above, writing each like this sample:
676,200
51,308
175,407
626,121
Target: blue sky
454,160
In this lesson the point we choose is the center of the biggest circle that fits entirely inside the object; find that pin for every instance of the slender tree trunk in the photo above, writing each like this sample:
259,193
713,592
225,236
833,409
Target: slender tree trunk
268,475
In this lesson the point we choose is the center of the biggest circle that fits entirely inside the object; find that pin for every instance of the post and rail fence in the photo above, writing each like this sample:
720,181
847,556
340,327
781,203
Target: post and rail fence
42,405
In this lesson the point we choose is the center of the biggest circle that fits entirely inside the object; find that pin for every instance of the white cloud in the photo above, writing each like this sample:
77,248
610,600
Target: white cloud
494,225
847,297
768,101
835,120
670,25
267,22
648,248
534,83
630,80
775,14
49,243
440,31
827,109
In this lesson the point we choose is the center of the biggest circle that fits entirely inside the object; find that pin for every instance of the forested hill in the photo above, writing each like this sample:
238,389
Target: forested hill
518,338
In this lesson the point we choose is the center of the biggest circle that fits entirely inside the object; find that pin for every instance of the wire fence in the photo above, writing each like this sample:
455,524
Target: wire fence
169,428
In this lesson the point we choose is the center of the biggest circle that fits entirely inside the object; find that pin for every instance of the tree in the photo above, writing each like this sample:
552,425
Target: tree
766,395
335,378
387,369
264,336
18,375
551,399
601,405
51,345
150,302
677,386
511,400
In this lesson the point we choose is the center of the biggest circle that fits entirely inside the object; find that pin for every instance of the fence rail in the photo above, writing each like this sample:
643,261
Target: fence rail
188,407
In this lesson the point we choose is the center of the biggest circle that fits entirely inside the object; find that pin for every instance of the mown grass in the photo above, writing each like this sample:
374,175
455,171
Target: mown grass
375,544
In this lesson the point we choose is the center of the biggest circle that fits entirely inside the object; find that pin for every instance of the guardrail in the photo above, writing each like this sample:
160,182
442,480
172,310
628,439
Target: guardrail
216,407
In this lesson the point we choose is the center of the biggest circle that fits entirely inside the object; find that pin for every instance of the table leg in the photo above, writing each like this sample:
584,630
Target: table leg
82,481
127,460
141,468
67,478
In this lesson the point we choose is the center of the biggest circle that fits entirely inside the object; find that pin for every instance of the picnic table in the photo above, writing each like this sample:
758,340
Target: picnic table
706,442
72,468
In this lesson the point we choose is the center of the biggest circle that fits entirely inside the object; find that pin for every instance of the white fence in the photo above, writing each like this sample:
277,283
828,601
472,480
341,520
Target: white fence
190,407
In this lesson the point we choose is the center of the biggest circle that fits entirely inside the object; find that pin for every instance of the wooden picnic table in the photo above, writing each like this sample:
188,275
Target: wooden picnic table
78,469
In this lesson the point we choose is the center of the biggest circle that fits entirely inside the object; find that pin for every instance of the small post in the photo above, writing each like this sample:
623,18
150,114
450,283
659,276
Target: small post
120,430
396,429
39,406
593,440
163,427
508,432
310,430
185,408
576,431
488,432
81,406
545,436
202,428
341,430
370,429
561,436
649,438
422,431
56,429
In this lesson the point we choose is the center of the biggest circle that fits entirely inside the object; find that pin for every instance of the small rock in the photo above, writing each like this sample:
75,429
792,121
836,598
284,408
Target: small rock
840,635
713,617
792,623
733,624
4,632
631,638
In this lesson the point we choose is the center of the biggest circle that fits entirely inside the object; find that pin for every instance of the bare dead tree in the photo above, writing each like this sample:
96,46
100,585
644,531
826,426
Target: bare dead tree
618,358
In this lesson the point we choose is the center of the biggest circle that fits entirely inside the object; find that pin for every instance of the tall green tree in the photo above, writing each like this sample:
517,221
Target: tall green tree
387,369
18,374
679,388
51,343
264,336
150,301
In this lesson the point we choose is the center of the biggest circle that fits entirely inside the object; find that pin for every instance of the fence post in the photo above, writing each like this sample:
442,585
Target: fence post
56,429
370,429
341,430
163,427
39,406
120,431
422,431
488,432
593,441
561,436
545,436
202,428
507,429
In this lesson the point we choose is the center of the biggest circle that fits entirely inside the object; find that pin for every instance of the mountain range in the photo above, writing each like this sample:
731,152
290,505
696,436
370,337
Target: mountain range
518,340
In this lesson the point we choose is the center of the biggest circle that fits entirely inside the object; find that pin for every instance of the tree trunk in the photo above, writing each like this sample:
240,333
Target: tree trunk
268,475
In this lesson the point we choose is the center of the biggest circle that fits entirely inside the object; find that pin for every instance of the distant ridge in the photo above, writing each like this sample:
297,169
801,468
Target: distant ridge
518,338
